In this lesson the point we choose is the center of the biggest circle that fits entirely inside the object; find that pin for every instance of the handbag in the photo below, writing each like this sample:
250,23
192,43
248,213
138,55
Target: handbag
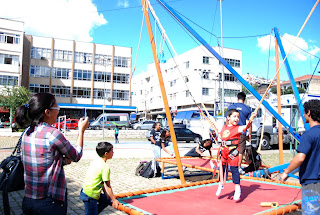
12,175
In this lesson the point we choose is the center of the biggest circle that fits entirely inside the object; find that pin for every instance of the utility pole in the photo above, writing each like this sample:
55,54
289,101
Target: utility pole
222,90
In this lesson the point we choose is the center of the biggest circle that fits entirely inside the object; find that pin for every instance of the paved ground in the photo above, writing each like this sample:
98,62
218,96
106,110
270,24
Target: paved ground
127,156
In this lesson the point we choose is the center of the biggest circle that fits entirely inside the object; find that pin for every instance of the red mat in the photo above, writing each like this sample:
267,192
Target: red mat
201,200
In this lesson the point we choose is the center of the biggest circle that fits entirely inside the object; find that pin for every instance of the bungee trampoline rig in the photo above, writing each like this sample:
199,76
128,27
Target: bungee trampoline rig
193,198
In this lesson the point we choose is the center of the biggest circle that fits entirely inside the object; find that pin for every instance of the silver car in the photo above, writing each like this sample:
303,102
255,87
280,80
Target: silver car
144,125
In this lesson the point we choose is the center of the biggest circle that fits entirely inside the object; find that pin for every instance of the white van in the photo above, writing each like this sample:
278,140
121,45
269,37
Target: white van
111,120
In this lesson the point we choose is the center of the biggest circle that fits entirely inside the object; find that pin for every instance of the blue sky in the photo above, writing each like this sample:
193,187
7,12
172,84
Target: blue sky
118,22
240,18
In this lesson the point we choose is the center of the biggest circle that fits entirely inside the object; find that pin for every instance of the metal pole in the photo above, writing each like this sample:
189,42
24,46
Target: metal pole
222,90
279,104
104,95
163,92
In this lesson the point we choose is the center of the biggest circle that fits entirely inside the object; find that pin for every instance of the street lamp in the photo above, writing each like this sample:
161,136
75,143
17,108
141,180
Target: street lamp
105,61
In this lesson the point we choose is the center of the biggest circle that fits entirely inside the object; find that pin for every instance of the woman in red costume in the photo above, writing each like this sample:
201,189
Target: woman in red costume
229,154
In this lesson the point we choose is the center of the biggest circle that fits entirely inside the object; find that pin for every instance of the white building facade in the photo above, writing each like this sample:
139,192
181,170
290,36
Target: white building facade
81,75
190,79
11,50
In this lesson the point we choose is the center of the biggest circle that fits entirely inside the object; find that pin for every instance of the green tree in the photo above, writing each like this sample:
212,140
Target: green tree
13,97
289,90
246,91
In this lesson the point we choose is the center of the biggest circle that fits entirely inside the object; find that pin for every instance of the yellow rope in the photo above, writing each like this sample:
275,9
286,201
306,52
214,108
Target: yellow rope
293,44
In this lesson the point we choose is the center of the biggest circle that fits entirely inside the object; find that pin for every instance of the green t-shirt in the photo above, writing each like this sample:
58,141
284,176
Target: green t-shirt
98,172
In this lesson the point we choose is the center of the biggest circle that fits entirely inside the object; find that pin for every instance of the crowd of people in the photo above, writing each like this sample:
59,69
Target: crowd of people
45,152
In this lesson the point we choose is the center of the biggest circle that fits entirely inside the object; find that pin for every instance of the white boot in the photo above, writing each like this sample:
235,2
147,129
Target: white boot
237,192
220,188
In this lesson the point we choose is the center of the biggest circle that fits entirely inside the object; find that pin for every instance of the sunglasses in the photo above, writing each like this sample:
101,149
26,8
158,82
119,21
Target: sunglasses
55,108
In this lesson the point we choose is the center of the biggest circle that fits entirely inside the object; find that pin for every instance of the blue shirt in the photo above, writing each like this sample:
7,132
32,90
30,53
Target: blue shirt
244,111
310,146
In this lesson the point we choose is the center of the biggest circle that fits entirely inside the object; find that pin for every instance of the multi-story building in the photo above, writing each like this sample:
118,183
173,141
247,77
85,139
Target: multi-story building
306,82
190,79
11,50
83,76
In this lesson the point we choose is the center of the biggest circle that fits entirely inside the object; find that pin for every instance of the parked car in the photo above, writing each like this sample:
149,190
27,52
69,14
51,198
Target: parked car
145,125
110,120
182,134
70,124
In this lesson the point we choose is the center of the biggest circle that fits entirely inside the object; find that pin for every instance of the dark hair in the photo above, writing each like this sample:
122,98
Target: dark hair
163,133
231,111
203,141
314,107
241,96
103,147
155,124
33,112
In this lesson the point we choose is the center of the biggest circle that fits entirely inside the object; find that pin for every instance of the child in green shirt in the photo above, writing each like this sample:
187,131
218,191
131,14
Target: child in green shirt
98,179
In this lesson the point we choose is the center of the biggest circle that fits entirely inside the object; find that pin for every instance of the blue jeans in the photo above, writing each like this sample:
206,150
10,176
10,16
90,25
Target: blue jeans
93,206
47,206
235,173
157,149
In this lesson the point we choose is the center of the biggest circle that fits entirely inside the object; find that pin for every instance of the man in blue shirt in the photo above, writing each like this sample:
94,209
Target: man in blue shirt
245,113
308,159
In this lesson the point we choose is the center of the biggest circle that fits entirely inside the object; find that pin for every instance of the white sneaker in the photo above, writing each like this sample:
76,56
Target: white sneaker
220,188
237,193
241,171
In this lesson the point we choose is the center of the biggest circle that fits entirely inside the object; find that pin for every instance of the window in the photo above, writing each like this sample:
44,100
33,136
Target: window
9,59
60,91
82,57
39,71
81,92
60,73
121,78
102,76
9,38
232,62
205,60
8,80
39,88
40,53
121,61
82,75
187,93
205,91
102,59
205,75
187,64
227,77
101,94
229,92
186,79
120,95
62,55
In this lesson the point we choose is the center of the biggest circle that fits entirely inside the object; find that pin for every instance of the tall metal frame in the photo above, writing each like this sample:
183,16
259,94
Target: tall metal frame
291,78
239,77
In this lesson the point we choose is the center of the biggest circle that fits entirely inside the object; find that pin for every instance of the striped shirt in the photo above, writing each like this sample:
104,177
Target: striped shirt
43,154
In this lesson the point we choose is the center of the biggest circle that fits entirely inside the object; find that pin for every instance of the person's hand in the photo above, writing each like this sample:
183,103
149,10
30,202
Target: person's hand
83,124
115,204
283,176
253,115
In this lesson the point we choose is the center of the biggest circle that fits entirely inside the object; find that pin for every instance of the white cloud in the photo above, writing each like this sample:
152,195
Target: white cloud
296,53
123,3
66,19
